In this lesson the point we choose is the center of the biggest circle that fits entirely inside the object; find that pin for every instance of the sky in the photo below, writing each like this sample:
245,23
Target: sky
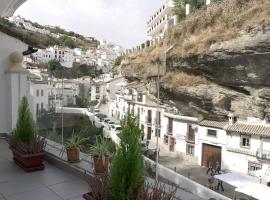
119,21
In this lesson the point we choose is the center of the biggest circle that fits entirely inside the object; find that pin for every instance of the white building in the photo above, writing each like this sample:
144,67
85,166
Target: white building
39,98
160,20
64,55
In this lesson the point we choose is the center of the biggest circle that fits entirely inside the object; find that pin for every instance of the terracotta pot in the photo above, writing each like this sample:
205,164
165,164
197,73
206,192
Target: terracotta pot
101,164
73,154
88,196
29,163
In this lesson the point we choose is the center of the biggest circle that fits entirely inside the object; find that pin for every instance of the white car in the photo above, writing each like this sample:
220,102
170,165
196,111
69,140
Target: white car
116,129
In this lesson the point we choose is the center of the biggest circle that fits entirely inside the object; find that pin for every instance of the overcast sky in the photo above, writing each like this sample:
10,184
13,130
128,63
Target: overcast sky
120,21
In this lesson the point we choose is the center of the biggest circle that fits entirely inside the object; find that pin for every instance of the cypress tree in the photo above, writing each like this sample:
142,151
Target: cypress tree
25,128
127,172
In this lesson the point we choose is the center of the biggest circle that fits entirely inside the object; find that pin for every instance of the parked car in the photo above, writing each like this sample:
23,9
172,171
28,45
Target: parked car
116,129
106,121
110,124
96,111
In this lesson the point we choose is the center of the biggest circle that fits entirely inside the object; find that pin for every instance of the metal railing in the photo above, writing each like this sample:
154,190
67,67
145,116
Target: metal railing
263,154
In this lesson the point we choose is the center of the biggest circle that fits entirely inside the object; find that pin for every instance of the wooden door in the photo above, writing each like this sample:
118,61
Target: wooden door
212,154
149,132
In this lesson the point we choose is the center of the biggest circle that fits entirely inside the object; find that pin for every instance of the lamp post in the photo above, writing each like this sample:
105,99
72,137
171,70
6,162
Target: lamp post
158,62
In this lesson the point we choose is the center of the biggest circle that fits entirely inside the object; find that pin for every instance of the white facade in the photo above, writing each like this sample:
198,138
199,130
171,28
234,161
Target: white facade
159,21
39,97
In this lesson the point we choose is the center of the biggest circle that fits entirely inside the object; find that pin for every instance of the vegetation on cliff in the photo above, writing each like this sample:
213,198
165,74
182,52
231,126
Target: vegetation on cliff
194,35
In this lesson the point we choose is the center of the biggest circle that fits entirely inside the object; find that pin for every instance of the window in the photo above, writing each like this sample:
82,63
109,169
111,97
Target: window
254,166
42,107
190,134
37,93
130,91
149,117
245,141
190,149
42,93
211,132
97,89
140,97
37,108
170,125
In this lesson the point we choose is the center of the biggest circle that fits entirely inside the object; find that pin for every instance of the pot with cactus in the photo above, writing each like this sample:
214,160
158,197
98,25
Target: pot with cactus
73,146
27,147
100,153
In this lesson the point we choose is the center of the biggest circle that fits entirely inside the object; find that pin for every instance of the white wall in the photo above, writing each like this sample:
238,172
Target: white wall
8,45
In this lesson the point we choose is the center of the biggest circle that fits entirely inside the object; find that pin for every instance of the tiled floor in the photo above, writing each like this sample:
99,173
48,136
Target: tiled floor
50,184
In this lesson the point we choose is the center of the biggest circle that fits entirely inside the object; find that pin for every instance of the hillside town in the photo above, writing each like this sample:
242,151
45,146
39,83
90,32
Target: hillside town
200,133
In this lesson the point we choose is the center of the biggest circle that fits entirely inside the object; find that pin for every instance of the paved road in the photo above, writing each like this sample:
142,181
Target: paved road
187,168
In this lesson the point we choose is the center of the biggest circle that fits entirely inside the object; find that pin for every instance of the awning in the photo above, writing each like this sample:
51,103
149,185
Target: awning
258,191
236,180
246,185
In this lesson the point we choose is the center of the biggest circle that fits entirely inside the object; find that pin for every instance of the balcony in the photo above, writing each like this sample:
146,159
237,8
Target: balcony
51,184
263,155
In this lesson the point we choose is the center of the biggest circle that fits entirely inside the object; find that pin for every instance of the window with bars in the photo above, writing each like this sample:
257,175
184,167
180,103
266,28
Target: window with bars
245,141
190,149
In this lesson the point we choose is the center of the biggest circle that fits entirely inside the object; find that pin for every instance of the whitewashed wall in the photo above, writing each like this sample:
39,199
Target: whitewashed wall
7,46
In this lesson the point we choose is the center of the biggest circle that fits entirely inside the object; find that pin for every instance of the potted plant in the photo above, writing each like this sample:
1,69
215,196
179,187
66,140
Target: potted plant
98,187
26,146
73,146
100,153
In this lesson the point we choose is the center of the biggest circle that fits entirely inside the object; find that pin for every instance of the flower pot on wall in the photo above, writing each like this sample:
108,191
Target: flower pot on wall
73,154
101,164
29,163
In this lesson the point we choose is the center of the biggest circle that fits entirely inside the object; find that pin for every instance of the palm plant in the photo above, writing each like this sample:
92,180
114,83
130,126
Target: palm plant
73,146
101,148
75,141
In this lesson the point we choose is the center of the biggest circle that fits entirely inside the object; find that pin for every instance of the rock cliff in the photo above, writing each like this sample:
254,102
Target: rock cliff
210,75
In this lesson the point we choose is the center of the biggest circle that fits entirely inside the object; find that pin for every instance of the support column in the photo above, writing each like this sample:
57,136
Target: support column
16,76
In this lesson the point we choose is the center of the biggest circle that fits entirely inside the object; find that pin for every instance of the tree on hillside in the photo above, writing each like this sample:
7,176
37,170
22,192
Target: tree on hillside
53,65
67,41
179,8
118,61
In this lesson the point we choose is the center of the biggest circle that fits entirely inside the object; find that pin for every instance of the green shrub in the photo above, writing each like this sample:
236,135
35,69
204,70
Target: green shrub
127,171
25,129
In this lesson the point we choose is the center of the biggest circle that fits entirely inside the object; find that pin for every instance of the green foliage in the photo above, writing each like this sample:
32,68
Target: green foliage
67,42
25,129
101,148
75,141
53,65
127,171
118,61
179,8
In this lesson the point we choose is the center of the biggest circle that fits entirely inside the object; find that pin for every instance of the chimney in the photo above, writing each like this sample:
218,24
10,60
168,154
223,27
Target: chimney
231,118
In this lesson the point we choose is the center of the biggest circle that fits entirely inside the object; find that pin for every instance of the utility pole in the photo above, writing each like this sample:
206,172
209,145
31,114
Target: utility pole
62,117
157,119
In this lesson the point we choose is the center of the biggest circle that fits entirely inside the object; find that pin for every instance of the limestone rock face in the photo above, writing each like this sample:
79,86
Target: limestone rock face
244,61
240,74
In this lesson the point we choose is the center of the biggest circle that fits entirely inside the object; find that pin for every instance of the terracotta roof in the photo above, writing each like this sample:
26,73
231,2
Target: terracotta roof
213,124
251,129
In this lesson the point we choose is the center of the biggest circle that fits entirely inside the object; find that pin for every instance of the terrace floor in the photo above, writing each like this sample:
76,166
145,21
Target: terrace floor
51,184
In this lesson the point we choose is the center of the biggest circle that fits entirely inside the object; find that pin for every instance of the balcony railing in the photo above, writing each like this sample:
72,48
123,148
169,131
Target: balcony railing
263,155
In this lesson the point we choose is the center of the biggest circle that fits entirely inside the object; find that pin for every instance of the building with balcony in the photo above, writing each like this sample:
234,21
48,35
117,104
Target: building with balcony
160,20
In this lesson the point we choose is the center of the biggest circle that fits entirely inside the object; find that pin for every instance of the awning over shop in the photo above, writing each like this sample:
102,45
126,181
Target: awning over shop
246,185
236,180
258,191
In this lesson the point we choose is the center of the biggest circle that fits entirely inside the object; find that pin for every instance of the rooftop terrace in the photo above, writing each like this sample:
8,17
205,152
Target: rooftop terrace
51,184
